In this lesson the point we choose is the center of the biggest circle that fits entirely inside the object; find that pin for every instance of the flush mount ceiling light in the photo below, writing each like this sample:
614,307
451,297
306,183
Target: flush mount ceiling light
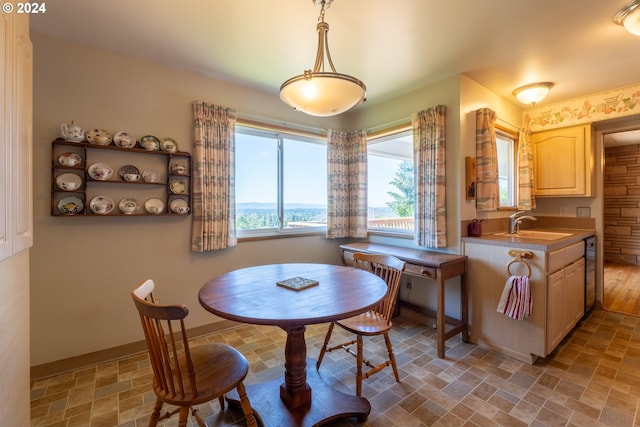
533,93
629,17
318,92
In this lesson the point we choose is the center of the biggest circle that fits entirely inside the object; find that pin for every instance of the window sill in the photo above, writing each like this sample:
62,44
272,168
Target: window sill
408,236
281,235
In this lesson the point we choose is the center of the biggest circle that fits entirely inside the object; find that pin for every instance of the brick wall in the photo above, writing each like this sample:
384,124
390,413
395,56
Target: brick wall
622,204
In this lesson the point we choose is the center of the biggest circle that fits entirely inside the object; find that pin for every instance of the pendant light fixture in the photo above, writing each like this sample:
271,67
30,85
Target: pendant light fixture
629,17
532,93
320,92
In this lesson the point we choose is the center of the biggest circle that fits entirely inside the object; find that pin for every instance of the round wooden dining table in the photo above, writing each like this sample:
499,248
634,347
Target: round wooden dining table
252,295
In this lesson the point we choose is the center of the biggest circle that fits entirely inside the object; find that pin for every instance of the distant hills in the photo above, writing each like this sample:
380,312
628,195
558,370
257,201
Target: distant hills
374,212
267,206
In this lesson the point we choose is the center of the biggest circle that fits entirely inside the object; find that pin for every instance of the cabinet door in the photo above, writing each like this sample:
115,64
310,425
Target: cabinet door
16,213
565,290
5,137
556,309
562,162
574,277
22,139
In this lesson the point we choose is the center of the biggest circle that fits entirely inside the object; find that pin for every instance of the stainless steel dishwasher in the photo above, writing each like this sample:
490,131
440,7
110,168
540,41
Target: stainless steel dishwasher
590,273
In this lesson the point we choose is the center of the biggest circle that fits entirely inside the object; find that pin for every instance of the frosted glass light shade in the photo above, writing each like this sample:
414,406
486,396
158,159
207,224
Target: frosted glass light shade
629,17
533,93
322,94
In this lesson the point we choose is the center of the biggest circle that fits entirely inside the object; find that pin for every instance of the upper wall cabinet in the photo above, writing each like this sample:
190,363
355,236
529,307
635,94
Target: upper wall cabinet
563,162
16,190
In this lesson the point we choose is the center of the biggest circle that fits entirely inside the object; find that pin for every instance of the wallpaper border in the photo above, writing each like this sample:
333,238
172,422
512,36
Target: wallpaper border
620,102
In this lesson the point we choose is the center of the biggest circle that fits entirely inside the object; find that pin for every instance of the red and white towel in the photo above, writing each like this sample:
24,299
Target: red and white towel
516,301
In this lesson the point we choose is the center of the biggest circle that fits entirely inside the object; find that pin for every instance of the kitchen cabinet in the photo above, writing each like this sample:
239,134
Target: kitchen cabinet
16,106
565,301
557,290
563,162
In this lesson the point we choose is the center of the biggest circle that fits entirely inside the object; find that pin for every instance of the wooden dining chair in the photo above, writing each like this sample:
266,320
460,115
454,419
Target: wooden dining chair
186,376
376,321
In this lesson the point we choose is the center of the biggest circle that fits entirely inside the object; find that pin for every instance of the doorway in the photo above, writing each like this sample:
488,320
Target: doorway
621,218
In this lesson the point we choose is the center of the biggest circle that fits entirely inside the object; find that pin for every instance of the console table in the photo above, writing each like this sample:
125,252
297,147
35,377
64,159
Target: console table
438,266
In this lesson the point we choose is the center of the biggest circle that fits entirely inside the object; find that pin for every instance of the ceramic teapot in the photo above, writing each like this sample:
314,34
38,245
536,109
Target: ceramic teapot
72,132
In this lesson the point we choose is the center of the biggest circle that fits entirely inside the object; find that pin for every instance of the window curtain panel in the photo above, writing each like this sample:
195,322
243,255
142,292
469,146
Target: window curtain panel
487,192
526,195
214,216
429,155
347,184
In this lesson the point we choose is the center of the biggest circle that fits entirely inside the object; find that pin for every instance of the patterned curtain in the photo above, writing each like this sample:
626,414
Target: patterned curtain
487,192
429,157
214,215
347,184
526,196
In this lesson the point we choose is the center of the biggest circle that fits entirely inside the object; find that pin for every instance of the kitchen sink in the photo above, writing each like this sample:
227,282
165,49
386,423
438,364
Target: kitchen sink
538,235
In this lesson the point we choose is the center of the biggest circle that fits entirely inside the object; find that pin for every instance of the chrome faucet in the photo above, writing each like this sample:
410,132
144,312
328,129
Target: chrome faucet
515,220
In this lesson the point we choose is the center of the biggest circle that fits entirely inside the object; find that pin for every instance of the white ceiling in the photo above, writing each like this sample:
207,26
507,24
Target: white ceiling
393,46
615,139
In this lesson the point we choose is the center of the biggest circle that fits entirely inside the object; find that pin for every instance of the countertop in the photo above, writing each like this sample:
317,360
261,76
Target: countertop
500,239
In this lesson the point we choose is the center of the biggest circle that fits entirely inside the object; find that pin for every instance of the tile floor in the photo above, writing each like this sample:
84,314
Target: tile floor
593,379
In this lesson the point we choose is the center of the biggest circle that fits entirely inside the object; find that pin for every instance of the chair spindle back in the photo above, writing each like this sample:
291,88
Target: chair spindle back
389,269
165,333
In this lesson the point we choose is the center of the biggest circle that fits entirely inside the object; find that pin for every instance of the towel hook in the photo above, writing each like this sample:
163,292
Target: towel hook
518,255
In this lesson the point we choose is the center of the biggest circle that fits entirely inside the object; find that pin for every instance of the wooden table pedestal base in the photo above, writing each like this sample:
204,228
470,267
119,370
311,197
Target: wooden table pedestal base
327,404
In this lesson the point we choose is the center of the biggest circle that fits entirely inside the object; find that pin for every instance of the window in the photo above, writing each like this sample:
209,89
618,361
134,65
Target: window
506,147
281,182
391,183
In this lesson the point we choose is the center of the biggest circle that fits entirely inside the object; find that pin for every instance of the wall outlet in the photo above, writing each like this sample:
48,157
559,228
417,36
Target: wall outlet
563,211
408,285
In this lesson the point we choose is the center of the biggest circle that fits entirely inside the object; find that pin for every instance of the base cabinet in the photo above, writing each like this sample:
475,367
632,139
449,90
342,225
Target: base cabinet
565,296
557,290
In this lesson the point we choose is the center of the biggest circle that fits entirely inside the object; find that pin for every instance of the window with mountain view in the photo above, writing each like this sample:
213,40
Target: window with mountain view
281,182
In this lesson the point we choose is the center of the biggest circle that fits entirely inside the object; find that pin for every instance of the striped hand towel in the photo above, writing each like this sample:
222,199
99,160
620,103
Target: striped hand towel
516,301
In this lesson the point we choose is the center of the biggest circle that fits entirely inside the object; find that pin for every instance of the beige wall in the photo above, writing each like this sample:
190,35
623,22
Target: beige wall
84,268
14,339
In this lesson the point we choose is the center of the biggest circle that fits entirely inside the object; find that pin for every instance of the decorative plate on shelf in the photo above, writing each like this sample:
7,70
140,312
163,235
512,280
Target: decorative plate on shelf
154,206
179,206
178,168
169,145
150,143
70,159
68,182
100,171
99,137
70,205
128,206
101,205
151,175
124,140
128,170
178,187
